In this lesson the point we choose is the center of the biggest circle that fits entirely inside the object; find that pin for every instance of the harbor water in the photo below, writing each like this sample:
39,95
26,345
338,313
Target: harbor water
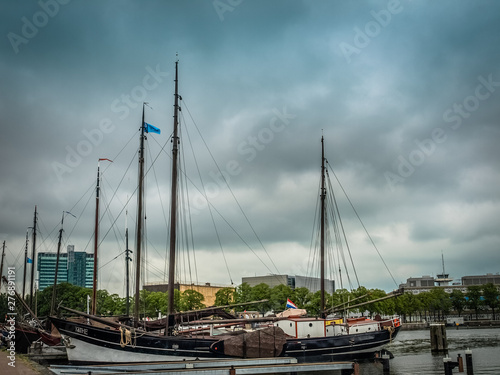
412,352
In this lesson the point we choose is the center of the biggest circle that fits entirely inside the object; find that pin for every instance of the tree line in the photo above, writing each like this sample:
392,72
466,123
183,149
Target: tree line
434,304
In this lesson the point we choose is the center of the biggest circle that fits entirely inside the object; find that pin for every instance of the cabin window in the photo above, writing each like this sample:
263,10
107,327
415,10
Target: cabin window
310,324
290,324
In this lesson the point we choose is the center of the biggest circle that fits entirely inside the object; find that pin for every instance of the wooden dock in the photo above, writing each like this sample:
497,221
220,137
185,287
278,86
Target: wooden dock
215,367
39,352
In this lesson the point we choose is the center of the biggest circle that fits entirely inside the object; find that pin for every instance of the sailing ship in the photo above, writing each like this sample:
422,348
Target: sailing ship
27,331
102,341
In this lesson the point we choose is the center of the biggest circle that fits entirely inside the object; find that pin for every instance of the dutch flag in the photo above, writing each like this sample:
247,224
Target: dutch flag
290,304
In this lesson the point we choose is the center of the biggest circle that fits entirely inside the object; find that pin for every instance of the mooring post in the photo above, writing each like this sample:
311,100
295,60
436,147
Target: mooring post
385,363
449,365
232,370
447,369
438,337
356,368
468,362
460,361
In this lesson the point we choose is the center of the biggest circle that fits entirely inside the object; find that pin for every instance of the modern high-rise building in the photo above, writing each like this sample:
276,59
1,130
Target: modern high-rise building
75,267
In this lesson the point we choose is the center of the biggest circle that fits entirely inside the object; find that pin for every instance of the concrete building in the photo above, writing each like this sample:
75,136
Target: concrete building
481,280
311,283
75,267
418,285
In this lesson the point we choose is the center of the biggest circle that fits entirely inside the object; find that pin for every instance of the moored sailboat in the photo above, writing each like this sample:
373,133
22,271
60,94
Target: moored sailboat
103,341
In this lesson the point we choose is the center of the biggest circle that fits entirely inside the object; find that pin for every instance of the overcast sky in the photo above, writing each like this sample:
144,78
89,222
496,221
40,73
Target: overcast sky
406,94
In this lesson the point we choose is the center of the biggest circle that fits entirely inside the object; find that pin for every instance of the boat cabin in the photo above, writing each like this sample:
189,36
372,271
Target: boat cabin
303,327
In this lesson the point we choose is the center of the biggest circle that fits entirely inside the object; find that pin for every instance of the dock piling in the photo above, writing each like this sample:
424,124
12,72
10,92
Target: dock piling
439,342
385,363
468,362
449,365
460,361
354,370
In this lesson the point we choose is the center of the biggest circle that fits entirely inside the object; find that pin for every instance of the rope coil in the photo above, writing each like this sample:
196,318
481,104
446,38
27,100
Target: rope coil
126,337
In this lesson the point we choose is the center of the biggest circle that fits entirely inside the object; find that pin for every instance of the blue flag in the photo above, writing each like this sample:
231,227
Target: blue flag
29,260
148,128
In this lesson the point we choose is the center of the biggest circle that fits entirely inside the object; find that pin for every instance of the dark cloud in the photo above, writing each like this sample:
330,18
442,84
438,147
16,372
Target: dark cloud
407,131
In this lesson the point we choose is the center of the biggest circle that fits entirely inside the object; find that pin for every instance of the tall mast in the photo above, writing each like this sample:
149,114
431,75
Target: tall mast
138,233
96,241
96,236
25,265
33,250
127,259
1,265
173,212
53,304
322,240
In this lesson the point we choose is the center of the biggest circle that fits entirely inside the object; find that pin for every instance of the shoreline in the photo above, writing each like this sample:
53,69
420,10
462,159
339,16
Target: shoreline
23,365
467,325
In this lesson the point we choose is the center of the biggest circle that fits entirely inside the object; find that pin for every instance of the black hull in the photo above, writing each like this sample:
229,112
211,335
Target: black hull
142,343
98,345
339,346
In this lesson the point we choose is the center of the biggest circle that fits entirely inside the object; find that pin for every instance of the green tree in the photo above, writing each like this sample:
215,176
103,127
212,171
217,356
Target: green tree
491,296
224,296
261,292
191,300
279,295
67,295
341,297
403,305
474,298
375,307
360,295
243,294
301,297
440,302
155,303
458,301
109,304
388,306
424,300
314,302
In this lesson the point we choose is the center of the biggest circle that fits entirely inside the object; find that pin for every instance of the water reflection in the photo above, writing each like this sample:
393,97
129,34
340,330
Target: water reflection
412,352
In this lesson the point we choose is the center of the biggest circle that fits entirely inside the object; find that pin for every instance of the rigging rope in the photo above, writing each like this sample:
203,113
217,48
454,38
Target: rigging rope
231,191
336,214
366,231
209,207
